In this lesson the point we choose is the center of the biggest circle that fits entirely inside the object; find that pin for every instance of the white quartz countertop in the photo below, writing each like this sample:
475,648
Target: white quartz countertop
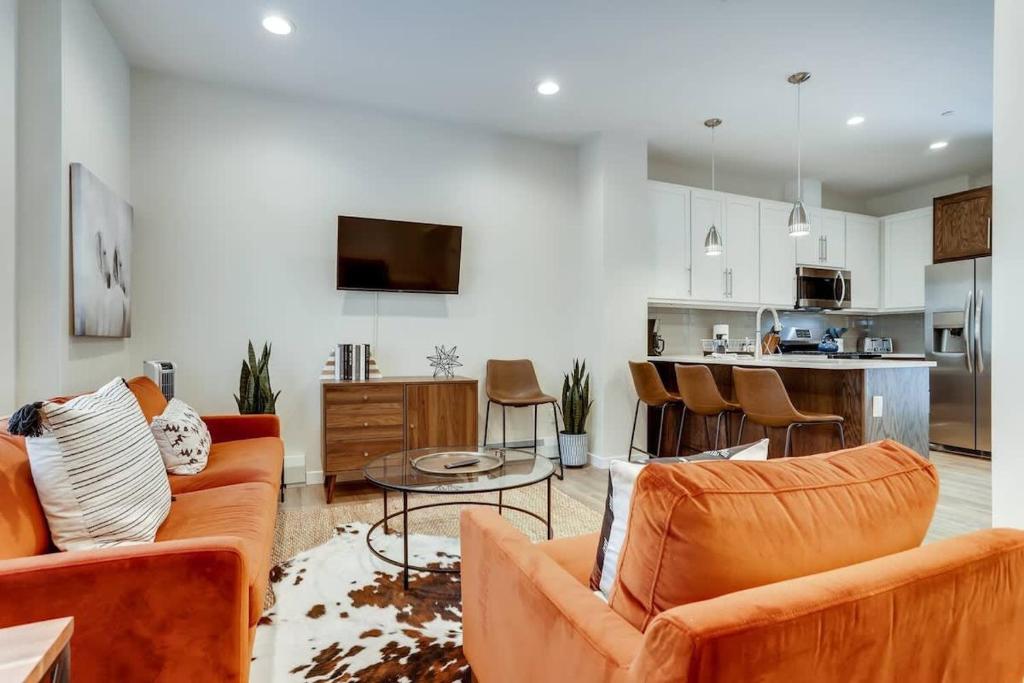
797,361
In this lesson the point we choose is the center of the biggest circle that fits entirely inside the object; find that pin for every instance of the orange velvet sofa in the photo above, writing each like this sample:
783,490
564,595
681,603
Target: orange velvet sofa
947,611
183,608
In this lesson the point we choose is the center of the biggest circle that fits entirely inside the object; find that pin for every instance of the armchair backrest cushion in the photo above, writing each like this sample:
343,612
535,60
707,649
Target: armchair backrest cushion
149,396
704,529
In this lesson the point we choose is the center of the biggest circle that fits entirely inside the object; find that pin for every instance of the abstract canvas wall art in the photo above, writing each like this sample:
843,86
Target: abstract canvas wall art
101,247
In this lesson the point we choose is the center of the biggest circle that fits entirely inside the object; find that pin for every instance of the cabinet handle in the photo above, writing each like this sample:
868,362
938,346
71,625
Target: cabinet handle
825,237
366,454
365,397
730,283
366,424
412,426
725,282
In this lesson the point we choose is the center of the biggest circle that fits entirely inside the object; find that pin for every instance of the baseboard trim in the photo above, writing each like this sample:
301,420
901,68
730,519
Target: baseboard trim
315,477
294,468
603,462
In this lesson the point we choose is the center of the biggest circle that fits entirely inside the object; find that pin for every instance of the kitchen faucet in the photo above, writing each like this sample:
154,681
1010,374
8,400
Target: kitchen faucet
759,351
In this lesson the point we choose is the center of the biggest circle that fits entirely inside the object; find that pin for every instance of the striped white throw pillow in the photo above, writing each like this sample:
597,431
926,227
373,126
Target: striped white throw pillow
98,471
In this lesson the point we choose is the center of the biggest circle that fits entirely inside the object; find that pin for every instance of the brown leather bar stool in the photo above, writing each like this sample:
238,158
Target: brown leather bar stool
765,402
651,391
700,396
513,384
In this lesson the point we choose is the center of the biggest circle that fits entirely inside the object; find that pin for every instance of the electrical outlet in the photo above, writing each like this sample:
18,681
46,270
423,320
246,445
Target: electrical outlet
876,406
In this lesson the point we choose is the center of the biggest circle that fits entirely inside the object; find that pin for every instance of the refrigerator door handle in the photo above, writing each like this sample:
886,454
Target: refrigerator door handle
969,350
977,331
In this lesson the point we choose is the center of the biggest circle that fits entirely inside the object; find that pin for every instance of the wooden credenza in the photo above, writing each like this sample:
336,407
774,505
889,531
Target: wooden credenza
364,419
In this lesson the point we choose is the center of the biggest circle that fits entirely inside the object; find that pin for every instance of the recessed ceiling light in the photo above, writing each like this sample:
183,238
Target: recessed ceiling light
855,120
938,144
277,25
548,87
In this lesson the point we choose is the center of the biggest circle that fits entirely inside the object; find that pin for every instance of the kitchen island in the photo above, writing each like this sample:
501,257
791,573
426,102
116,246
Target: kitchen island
878,398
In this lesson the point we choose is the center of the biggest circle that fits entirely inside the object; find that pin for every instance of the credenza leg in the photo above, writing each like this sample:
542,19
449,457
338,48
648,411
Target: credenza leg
329,487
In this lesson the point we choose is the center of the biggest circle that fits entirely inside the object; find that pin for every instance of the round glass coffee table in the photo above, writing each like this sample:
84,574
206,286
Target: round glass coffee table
422,471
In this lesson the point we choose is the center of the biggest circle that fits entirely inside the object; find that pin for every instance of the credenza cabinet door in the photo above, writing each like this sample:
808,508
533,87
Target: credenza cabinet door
778,256
962,225
709,272
441,414
908,249
864,260
670,213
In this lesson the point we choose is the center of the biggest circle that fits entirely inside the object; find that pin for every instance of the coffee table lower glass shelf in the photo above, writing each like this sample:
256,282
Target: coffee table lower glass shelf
416,472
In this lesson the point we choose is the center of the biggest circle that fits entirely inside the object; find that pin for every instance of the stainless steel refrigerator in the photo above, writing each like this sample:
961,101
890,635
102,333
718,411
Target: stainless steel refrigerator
958,337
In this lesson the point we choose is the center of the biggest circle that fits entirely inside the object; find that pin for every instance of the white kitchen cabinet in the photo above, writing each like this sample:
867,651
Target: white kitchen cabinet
908,249
864,260
778,256
709,272
732,276
826,245
670,213
741,249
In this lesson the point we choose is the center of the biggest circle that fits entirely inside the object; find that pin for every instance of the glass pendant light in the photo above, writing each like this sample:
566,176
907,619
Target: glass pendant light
713,240
798,225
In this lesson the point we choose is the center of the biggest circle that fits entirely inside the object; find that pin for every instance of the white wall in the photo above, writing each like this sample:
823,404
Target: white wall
920,196
8,299
236,200
618,241
73,100
40,271
95,132
1008,264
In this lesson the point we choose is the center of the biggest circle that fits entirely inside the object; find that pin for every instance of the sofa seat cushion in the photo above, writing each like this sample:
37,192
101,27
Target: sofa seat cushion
704,529
236,462
246,512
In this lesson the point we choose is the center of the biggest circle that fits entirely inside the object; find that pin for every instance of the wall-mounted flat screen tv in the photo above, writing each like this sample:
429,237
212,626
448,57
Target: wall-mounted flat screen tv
397,256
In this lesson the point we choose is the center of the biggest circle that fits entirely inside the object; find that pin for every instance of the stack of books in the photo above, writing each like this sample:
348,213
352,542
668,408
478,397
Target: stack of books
352,362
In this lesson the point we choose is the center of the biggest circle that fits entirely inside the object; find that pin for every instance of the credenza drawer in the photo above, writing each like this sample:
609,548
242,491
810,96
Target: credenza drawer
352,455
364,393
363,415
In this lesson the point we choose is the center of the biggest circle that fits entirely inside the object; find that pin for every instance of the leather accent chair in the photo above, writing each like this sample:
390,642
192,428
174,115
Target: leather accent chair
700,396
513,384
765,402
650,391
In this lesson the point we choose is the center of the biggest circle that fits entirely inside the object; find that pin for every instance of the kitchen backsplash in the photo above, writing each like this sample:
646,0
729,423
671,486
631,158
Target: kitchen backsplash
683,328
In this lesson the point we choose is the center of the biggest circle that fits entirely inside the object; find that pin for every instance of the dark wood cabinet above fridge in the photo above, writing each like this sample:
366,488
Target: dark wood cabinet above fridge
962,225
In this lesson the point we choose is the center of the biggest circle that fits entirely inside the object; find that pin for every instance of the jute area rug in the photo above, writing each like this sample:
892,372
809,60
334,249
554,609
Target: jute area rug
337,613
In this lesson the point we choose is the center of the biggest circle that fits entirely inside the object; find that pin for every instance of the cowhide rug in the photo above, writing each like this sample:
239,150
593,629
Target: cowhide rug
341,614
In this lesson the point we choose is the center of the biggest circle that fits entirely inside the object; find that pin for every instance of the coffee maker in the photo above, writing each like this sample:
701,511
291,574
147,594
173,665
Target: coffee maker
655,342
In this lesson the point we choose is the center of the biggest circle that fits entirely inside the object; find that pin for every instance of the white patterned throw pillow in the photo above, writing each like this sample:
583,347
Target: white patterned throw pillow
183,438
97,470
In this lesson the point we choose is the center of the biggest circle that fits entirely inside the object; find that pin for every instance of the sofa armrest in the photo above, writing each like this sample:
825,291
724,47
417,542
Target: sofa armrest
174,610
236,427
951,610
525,618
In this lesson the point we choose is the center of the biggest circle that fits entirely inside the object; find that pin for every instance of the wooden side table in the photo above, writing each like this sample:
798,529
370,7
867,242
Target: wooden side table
40,651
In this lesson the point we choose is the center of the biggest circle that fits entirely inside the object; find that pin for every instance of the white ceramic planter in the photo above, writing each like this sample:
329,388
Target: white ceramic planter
574,449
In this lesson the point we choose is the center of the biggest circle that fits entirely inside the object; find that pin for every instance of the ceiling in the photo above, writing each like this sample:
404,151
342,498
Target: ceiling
658,67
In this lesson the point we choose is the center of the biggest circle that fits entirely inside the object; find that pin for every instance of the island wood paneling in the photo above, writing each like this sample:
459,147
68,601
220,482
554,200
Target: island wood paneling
840,392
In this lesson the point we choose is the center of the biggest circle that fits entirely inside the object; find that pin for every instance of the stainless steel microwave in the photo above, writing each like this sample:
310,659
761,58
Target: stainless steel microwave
819,289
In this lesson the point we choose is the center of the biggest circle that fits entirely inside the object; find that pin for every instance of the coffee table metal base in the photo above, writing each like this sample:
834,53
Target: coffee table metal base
404,514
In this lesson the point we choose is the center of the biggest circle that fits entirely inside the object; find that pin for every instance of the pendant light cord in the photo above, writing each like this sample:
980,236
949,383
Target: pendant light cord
712,159
799,179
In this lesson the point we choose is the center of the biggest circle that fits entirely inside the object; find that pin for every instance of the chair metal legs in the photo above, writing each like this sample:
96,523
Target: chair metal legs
504,432
799,425
679,436
743,423
632,433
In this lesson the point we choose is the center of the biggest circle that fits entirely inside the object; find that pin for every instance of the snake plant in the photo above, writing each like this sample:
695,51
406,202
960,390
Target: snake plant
254,393
576,401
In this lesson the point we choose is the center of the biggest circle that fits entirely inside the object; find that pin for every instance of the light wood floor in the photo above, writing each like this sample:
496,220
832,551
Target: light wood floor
965,499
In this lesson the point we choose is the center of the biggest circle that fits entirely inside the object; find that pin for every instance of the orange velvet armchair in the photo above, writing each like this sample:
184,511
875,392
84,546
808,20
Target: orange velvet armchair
947,611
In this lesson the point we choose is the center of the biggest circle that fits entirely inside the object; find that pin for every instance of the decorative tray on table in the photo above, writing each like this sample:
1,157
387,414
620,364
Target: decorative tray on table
459,462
